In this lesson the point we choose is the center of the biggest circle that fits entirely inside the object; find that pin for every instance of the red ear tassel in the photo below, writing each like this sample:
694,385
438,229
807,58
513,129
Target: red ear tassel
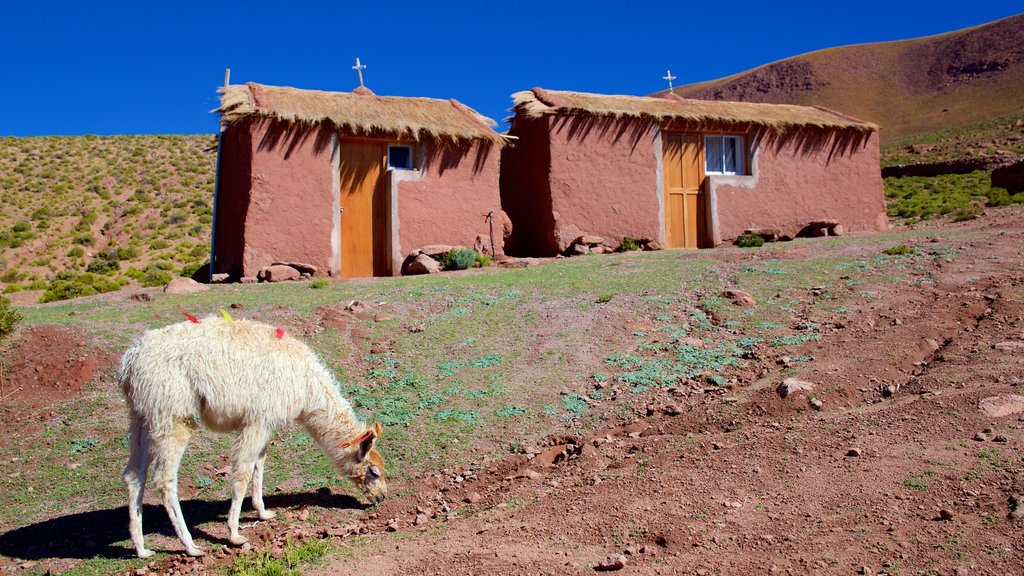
356,440
280,333
191,318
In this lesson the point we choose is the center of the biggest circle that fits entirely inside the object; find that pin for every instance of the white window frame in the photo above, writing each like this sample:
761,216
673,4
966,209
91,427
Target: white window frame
412,162
741,159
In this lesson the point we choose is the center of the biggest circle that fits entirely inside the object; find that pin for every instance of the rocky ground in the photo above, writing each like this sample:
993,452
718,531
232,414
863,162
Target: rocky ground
900,455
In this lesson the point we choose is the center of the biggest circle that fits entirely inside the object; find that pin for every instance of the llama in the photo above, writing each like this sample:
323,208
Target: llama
237,376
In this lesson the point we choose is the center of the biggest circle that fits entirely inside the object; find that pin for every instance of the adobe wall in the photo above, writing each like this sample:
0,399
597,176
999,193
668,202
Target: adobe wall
290,215
445,202
604,179
232,199
812,175
525,188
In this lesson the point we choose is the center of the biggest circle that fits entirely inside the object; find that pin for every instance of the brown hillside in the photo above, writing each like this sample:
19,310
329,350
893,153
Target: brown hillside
907,87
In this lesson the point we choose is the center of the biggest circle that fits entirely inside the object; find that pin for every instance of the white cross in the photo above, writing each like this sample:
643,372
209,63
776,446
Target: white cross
670,78
359,68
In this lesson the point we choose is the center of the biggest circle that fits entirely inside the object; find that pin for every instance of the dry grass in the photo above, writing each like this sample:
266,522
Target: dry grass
369,114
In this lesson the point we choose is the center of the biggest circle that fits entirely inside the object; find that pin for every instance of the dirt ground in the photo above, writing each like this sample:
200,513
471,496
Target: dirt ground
904,459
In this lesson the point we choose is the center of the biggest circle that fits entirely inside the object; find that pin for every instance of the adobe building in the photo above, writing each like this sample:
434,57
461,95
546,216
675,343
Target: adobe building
684,173
348,182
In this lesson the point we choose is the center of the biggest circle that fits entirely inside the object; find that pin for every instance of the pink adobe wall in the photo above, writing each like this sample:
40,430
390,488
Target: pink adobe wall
811,175
604,179
446,201
290,211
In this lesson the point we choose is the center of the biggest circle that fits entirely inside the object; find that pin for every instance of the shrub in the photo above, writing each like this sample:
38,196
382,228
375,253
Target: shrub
159,244
318,283
67,285
458,259
900,250
22,226
967,212
86,239
190,269
629,245
76,252
483,260
750,241
8,318
154,276
102,266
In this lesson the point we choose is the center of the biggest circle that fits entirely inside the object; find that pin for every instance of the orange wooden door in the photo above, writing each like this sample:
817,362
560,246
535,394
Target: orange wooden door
683,170
362,209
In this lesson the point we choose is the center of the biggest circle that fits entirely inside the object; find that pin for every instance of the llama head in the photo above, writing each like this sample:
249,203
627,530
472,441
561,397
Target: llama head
367,471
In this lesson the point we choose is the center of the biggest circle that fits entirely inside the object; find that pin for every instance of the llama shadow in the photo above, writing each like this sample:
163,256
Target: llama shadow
96,533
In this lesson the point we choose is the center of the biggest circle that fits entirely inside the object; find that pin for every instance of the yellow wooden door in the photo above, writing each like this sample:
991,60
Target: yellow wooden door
362,209
683,171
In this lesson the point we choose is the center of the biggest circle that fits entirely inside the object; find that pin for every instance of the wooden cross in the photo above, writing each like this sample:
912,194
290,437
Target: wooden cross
359,68
670,78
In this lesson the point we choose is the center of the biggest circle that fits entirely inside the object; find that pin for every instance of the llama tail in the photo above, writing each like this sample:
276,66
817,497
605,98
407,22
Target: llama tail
126,370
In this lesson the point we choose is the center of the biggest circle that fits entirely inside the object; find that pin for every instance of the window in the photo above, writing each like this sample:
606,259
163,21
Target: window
400,157
724,155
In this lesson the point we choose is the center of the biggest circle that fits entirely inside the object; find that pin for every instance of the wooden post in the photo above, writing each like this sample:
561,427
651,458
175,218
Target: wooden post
227,77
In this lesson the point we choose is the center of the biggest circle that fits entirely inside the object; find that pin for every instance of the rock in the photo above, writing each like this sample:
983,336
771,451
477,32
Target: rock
578,250
303,515
589,240
1000,439
767,234
980,437
435,250
422,264
520,262
472,498
1009,346
1002,405
420,520
672,409
220,278
1016,502
302,267
945,514
838,230
650,246
853,452
278,273
740,298
237,306
890,390
248,280
531,474
184,286
141,297
816,403
598,250
611,563
792,385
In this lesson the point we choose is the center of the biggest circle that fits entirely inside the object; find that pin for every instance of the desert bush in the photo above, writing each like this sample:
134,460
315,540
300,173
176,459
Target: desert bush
318,283
159,244
75,252
103,266
155,276
22,226
188,270
482,260
8,317
67,285
900,250
629,245
967,212
458,259
86,239
750,241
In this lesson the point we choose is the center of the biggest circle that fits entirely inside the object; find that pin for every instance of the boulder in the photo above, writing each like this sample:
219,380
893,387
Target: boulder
435,250
740,298
651,245
565,236
589,240
578,250
278,273
184,286
302,267
220,278
422,264
1003,405
248,280
792,386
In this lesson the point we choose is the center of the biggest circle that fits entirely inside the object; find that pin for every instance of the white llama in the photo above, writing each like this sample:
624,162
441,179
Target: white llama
237,376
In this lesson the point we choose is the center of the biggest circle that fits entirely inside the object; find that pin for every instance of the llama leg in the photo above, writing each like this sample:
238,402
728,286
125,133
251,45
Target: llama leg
134,477
168,453
244,454
257,488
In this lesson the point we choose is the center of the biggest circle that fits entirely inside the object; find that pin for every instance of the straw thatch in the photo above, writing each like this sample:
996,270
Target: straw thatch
361,113
672,108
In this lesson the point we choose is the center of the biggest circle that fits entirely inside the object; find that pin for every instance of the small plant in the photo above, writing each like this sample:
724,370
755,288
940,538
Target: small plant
482,260
629,245
750,241
900,250
8,318
458,259
915,482
604,298
318,283
79,446
293,555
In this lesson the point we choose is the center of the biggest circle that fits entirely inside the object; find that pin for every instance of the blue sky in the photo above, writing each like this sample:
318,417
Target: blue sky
148,67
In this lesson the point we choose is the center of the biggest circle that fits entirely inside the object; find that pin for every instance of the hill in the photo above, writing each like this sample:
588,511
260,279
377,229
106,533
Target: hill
906,87
126,209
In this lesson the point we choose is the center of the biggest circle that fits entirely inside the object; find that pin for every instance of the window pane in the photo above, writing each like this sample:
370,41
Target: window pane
729,155
400,157
713,154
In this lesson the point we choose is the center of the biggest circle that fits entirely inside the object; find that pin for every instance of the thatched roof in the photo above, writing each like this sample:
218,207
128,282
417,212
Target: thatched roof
360,112
776,117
